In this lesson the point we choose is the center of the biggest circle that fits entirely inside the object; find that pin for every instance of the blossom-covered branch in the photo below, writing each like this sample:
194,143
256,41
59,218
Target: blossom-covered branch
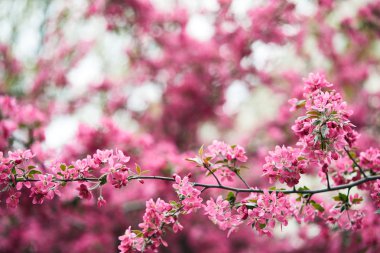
326,137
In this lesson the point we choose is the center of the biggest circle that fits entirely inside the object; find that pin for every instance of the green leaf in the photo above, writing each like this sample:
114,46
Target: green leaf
357,200
209,173
316,122
30,167
196,160
317,206
343,197
231,198
144,172
353,154
13,171
138,169
313,112
316,139
33,172
103,180
138,233
303,117
207,159
251,205
200,151
300,103
63,167
303,188
377,211
174,203
262,225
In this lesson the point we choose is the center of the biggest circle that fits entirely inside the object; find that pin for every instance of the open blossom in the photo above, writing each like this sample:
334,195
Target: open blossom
284,164
349,219
220,213
262,211
130,242
13,199
221,151
370,159
20,155
155,217
315,81
118,179
84,192
375,192
189,196
103,156
45,188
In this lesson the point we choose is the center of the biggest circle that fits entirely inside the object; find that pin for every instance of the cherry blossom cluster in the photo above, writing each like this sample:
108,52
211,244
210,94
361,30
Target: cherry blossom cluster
220,212
325,130
188,195
160,216
375,192
221,159
262,211
19,169
370,159
285,164
15,116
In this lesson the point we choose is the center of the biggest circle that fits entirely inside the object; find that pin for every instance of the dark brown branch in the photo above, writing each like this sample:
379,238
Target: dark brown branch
223,187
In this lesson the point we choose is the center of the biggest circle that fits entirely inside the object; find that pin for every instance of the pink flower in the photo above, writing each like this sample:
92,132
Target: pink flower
315,81
102,156
156,216
45,188
101,201
130,242
20,155
220,213
263,210
84,193
375,192
119,155
188,195
222,151
13,199
284,164
217,149
325,130
236,152
370,159
118,179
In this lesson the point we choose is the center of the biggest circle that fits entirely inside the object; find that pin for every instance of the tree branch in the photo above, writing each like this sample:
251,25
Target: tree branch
222,187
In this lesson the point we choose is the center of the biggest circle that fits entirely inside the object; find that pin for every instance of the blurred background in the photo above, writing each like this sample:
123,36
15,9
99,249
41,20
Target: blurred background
158,79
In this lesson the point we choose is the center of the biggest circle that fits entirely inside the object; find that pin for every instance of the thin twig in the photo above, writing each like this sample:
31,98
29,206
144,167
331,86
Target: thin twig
328,180
244,182
354,161
212,173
